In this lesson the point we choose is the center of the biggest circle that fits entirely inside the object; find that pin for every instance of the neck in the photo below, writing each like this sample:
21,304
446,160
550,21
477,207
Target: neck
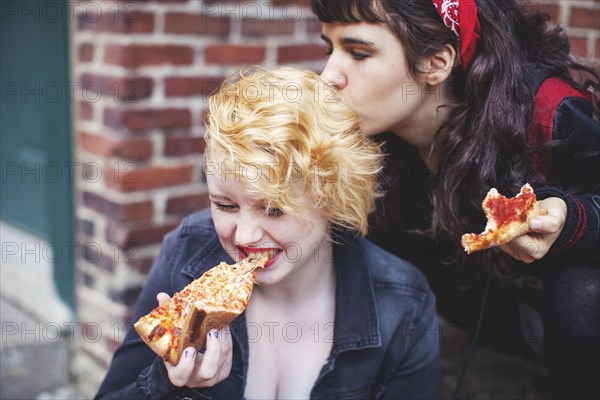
430,160
420,130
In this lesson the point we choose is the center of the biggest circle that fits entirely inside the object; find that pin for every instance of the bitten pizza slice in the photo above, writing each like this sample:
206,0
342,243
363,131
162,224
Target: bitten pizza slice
507,218
210,302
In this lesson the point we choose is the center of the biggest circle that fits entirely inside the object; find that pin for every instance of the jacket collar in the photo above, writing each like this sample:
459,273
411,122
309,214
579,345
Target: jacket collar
356,319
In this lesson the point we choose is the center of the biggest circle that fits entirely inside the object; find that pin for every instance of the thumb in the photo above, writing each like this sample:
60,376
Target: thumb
162,297
546,224
536,224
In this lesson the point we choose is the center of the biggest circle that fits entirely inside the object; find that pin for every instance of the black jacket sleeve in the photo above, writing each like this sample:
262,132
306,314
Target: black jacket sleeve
576,158
136,372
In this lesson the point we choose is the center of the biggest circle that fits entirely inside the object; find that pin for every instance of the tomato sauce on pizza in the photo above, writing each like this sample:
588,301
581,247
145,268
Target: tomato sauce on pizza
507,218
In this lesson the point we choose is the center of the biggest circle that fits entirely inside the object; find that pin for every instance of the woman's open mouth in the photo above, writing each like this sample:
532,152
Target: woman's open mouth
271,253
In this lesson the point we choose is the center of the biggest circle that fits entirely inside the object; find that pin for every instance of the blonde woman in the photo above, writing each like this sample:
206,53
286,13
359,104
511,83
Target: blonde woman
333,316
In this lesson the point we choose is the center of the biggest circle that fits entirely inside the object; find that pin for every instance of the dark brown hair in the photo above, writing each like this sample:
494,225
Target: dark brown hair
484,142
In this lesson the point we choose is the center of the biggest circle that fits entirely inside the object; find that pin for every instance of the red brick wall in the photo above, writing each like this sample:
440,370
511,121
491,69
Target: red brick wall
145,69
581,18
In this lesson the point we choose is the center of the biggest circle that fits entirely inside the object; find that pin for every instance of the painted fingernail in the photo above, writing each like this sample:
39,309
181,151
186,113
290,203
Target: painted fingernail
189,352
213,333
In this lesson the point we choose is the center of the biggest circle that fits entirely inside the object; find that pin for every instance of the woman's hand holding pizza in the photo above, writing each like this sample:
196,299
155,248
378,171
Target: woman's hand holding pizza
544,229
202,370
197,315
521,226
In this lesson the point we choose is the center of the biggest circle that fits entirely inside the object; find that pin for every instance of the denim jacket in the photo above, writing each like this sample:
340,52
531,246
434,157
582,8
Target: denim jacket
385,337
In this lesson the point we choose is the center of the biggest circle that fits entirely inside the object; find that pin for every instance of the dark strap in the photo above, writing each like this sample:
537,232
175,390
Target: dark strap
471,351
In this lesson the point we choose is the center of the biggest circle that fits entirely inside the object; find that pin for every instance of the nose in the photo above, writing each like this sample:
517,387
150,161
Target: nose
248,229
333,74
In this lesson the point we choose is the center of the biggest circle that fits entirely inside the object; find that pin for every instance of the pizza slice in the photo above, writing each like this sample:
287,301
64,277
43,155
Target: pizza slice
210,302
506,219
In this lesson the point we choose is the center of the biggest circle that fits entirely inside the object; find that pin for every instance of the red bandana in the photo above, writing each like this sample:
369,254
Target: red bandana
461,17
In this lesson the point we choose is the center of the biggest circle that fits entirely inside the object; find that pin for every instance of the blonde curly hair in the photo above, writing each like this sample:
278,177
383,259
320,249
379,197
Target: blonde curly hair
275,129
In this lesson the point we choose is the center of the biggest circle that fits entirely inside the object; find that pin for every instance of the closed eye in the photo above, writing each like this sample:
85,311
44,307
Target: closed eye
357,55
225,207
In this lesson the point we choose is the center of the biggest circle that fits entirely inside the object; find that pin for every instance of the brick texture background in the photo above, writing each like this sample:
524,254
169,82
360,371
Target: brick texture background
146,69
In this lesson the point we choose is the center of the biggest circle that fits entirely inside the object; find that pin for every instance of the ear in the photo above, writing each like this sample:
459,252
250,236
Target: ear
437,68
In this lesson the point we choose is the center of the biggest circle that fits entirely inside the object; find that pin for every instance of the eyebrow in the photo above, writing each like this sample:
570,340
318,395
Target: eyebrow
350,40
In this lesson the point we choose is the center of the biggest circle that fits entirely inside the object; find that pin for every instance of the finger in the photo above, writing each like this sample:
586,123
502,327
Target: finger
226,339
226,353
212,357
199,359
546,224
180,374
226,366
531,248
512,250
552,216
527,248
162,297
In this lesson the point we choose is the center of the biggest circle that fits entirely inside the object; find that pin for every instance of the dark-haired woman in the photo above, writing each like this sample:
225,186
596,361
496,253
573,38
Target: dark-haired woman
474,95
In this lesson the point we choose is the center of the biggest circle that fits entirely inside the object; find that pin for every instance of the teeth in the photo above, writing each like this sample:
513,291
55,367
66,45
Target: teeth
263,253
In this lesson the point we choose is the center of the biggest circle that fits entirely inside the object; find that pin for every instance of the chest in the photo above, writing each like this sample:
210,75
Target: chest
286,355
288,367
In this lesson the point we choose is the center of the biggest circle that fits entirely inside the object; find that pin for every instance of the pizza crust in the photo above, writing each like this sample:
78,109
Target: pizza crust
201,320
160,345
